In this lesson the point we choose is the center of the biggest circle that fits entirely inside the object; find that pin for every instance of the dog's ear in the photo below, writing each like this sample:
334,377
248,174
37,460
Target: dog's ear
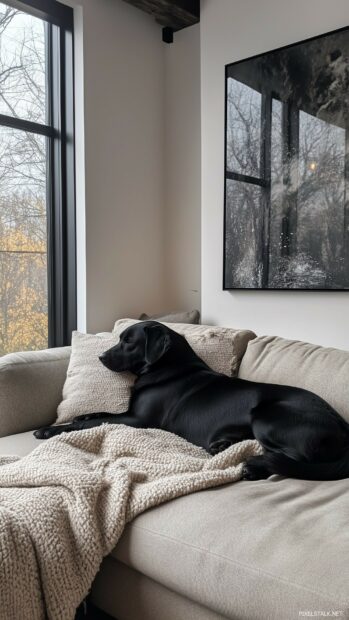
156,344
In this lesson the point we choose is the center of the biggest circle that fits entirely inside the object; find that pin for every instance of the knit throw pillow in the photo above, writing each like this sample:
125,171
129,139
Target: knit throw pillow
90,387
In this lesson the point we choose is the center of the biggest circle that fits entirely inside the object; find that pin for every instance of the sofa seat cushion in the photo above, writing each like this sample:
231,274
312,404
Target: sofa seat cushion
251,550
20,444
248,551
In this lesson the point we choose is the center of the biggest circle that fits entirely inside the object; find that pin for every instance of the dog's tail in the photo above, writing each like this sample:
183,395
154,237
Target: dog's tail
283,465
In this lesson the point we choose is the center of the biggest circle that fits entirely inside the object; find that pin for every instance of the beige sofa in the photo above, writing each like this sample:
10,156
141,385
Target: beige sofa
276,549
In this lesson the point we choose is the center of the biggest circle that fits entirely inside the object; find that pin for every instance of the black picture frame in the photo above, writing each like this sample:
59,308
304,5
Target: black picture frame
323,280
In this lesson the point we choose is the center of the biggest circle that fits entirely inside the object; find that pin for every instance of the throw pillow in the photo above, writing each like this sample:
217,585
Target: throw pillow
90,387
192,317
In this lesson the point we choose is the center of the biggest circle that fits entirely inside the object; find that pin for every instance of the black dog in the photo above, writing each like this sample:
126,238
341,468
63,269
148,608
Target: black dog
302,435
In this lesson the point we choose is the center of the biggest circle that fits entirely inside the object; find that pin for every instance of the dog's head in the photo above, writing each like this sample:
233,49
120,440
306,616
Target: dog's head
140,347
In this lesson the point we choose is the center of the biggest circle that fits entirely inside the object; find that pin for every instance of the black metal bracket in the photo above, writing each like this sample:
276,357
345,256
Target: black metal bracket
167,34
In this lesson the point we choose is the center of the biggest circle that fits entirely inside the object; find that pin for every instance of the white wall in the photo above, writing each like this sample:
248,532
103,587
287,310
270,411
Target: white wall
138,164
182,170
120,162
233,30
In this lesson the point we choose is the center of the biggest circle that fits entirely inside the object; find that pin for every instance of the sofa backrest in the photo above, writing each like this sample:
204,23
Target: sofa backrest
324,371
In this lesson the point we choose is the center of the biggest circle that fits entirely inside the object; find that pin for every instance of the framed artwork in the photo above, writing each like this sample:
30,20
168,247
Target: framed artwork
286,216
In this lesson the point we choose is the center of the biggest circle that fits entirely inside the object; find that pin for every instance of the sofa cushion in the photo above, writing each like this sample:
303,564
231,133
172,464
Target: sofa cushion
324,371
249,551
221,348
141,598
90,387
20,444
192,317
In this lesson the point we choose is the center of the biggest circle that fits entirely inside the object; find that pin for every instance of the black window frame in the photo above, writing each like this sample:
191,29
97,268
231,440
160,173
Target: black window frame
59,131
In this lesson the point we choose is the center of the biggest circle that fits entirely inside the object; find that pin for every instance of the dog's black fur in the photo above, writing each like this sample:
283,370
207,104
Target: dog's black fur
302,435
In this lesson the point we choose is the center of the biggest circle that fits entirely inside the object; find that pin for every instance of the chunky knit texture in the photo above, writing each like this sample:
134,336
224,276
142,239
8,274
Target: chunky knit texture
65,505
90,387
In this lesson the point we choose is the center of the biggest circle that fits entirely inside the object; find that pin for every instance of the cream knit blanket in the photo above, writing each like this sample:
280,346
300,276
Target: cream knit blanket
65,505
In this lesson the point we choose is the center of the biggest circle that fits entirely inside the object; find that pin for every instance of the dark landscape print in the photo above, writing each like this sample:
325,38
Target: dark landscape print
287,168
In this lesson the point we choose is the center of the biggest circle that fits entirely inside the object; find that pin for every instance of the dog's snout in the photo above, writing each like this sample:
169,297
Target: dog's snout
105,358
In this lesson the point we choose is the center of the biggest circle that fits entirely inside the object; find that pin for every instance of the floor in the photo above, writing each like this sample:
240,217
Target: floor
90,612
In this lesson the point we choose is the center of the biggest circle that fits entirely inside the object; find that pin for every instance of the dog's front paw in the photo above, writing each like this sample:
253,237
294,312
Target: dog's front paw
51,431
218,446
44,433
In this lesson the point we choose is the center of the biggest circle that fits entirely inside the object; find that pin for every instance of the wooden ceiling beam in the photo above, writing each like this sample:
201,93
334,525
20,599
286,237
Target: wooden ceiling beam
172,14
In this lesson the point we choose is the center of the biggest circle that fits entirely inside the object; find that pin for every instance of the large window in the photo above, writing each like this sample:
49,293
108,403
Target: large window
37,224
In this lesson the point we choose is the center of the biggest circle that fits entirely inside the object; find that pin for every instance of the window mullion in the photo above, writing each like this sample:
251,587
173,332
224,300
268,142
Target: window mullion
245,178
70,308
19,123
56,320
63,238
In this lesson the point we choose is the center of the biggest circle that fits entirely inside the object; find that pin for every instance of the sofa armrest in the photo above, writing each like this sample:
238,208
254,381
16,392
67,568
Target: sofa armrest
31,386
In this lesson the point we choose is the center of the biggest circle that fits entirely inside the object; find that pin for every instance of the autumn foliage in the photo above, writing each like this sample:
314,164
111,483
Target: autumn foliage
23,286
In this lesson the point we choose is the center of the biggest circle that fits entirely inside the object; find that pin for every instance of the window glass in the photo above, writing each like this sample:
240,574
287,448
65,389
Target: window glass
22,65
24,176
23,241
